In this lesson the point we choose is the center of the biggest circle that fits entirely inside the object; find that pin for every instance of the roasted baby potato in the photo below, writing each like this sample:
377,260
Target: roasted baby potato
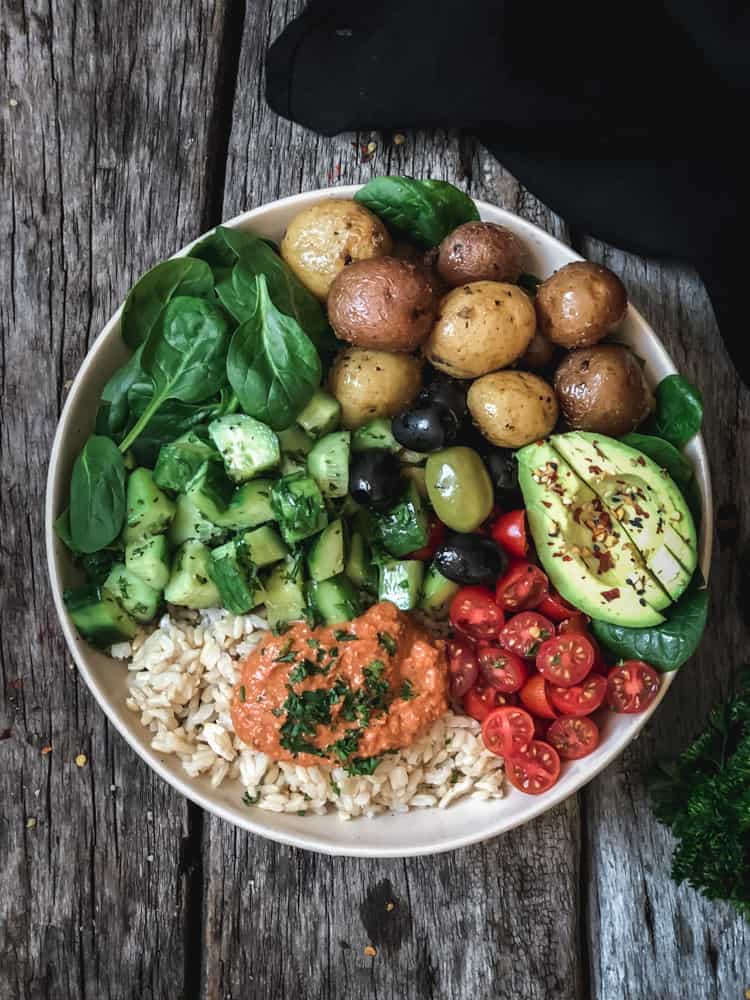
580,304
371,384
603,389
384,303
512,408
480,251
322,240
480,327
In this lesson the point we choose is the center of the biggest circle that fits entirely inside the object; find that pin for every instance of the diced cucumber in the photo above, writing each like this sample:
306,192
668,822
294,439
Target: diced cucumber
298,505
321,415
404,528
179,461
295,447
263,546
137,597
359,566
211,492
234,578
335,600
284,595
250,506
247,446
417,475
98,616
190,584
326,556
189,524
437,592
328,464
149,560
149,511
376,434
400,582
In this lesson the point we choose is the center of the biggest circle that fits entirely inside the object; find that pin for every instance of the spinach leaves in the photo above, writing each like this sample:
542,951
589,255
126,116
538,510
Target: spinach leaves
97,495
272,364
149,296
422,211
674,462
679,411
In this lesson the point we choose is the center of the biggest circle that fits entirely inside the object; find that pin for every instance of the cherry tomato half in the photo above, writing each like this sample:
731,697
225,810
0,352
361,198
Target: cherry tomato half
507,730
534,697
463,668
480,701
556,608
474,612
435,538
509,531
565,659
501,669
576,622
632,686
535,769
580,699
525,633
573,736
522,587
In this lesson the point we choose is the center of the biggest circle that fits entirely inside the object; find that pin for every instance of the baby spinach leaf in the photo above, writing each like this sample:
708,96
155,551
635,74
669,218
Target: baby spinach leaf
97,495
171,420
112,418
664,454
679,411
423,211
151,293
62,529
184,357
272,364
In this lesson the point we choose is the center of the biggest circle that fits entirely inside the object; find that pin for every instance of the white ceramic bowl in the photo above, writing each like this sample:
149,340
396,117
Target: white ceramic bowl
418,832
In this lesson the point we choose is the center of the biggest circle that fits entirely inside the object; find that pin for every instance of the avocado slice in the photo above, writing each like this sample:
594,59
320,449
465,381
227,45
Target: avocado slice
644,500
589,559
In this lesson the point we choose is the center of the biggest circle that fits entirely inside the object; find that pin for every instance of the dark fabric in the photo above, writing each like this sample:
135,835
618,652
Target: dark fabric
628,120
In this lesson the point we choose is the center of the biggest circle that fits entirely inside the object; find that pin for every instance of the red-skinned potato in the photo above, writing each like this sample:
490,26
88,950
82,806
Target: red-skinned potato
480,251
580,304
602,389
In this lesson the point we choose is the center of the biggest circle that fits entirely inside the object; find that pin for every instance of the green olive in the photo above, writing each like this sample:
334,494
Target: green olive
459,488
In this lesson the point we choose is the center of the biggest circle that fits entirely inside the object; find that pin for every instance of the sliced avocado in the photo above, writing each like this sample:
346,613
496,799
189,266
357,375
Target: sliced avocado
642,498
587,556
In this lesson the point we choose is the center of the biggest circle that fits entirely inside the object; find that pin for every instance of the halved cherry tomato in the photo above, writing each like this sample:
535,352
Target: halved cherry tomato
576,622
474,612
534,697
565,659
507,730
525,633
600,664
581,699
573,736
501,669
463,668
509,531
522,587
535,769
480,701
435,538
555,607
632,686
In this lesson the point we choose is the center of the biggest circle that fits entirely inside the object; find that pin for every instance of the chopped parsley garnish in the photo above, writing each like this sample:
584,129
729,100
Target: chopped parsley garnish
335,788
313,643
455,775
305,669
287,655
250,800
388,643
243,693
304,713
362,765
346,746
344,636
407,691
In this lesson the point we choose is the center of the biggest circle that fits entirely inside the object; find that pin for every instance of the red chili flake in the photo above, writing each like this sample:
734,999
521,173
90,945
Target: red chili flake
606,562
641,460
567,558
546,503
595,470
611,595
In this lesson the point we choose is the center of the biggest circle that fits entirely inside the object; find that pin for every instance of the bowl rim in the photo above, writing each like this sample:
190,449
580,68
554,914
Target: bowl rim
186,785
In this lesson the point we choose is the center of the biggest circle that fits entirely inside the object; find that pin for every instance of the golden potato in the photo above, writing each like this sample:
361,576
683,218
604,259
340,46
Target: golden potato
371,384
480,327
321,240
603,389
512,408
480,251
580,304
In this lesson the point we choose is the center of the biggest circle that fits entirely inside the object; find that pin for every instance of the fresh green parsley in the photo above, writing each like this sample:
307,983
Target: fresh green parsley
362,765
407,691
344,636
250,800
243,693
305,669
388,643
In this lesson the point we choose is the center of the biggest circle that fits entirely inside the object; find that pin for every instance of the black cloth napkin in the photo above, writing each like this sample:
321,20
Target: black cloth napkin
630,120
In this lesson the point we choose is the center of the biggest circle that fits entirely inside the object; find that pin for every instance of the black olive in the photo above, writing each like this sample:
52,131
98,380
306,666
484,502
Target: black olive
471,559
425,428
375,478
503,470
446,392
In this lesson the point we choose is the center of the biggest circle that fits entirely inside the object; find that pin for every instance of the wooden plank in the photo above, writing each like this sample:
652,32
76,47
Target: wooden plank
646,937
495,920
105,156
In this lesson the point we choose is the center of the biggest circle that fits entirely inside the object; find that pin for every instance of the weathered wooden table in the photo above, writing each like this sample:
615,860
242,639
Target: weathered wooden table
127,129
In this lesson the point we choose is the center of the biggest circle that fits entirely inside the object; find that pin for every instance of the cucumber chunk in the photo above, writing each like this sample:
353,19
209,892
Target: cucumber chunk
190,584
326,556
376,434
437,592
298,505
234,577
404,528
400,582
284,595
189,524
179,461
98,616
250,506
149,511
149,560
335,600
211,492
328,464
359,565
321,415
263,546
295,447
247,446
137,597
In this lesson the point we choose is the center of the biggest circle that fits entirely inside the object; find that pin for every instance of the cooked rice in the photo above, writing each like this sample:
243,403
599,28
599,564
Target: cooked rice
182,674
